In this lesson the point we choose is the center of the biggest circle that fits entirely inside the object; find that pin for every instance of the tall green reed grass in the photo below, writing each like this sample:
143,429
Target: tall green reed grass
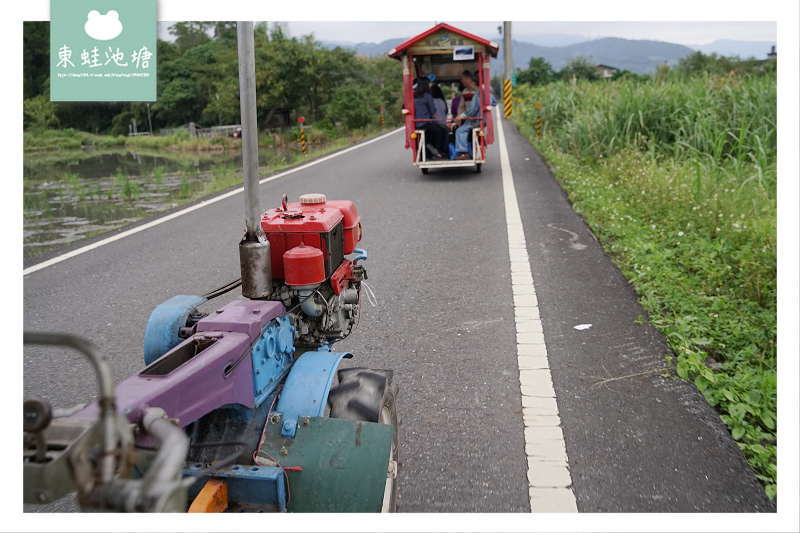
710,118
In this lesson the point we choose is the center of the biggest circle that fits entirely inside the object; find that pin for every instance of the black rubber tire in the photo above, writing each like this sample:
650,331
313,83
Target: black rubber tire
478,168
369,395
424,170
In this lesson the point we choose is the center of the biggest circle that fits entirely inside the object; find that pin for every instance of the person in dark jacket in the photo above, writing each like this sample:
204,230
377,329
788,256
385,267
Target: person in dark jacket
426,117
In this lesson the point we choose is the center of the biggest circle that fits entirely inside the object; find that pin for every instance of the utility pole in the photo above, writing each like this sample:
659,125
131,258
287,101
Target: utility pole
509,64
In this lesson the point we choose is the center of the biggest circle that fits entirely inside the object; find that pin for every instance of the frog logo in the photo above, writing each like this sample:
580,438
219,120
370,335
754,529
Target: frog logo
103,27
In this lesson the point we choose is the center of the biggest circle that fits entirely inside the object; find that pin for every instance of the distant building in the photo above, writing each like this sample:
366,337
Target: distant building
772,53
604,71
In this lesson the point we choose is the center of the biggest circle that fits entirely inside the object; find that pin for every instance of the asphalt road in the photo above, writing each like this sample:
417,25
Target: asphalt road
439,268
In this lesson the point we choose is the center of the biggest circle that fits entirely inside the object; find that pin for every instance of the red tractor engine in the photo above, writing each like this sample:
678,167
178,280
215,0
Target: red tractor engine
321,288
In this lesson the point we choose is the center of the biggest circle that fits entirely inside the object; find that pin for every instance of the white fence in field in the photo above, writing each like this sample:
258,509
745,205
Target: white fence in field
196,130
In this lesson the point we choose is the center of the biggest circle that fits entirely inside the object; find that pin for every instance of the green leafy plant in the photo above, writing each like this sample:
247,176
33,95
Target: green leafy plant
158,176
185,188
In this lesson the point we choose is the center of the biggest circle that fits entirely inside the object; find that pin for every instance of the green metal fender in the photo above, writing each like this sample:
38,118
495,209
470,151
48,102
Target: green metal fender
332,465
342,463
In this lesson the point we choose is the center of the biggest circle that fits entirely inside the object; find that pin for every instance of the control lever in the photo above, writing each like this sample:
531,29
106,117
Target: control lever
37,415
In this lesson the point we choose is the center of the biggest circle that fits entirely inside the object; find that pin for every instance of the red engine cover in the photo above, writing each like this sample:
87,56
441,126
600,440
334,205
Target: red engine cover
351,223
304,265
304,223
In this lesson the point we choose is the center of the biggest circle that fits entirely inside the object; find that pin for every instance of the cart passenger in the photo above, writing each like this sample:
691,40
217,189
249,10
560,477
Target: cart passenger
425,118
441,104
456,100
469,118
466,94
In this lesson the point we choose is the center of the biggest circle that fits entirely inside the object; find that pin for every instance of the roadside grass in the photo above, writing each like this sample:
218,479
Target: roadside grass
679,183
69,139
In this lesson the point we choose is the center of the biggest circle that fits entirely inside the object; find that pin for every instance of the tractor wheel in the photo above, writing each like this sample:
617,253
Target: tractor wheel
369,395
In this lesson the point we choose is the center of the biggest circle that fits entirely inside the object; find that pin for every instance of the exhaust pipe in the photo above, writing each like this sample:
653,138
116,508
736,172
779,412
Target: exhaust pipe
254,252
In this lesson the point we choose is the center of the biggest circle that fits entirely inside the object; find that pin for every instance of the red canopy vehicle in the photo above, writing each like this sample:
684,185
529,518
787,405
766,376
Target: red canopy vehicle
442,54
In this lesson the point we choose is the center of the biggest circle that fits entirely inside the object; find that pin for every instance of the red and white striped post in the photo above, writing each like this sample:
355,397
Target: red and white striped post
301,120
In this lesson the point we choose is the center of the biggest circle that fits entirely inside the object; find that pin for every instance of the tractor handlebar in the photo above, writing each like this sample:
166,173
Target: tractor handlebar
100,482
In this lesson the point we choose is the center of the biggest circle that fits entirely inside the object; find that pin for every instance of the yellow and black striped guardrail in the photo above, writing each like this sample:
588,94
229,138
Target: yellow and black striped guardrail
507,98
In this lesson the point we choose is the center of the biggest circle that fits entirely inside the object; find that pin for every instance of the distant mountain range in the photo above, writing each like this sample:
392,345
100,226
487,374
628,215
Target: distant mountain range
639,56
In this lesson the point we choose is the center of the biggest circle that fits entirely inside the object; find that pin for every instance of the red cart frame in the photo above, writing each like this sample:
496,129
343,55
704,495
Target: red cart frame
445,52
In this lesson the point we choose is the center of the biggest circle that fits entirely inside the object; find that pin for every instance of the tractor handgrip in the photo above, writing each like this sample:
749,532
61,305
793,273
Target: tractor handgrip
106,383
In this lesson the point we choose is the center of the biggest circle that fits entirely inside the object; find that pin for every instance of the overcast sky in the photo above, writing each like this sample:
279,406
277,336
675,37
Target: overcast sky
687,33
746,20
734,19
739,19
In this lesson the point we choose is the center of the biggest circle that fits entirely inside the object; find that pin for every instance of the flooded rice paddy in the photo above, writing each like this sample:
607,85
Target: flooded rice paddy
67,198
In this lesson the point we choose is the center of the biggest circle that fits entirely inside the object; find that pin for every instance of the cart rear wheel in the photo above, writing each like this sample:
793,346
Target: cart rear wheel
369,395
424,170
478,167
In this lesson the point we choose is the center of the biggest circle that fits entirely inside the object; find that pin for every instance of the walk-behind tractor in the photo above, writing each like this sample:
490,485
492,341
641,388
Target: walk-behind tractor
239,409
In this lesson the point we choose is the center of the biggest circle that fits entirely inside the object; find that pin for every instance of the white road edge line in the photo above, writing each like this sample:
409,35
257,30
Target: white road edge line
128,233
550,483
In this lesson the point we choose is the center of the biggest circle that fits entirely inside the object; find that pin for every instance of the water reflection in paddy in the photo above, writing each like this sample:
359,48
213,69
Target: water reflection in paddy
72,197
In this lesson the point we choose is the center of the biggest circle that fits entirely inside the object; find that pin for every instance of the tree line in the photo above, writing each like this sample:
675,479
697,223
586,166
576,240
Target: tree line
198,81
540,72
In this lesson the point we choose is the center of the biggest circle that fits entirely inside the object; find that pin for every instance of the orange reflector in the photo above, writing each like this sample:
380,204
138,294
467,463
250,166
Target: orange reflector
212,499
